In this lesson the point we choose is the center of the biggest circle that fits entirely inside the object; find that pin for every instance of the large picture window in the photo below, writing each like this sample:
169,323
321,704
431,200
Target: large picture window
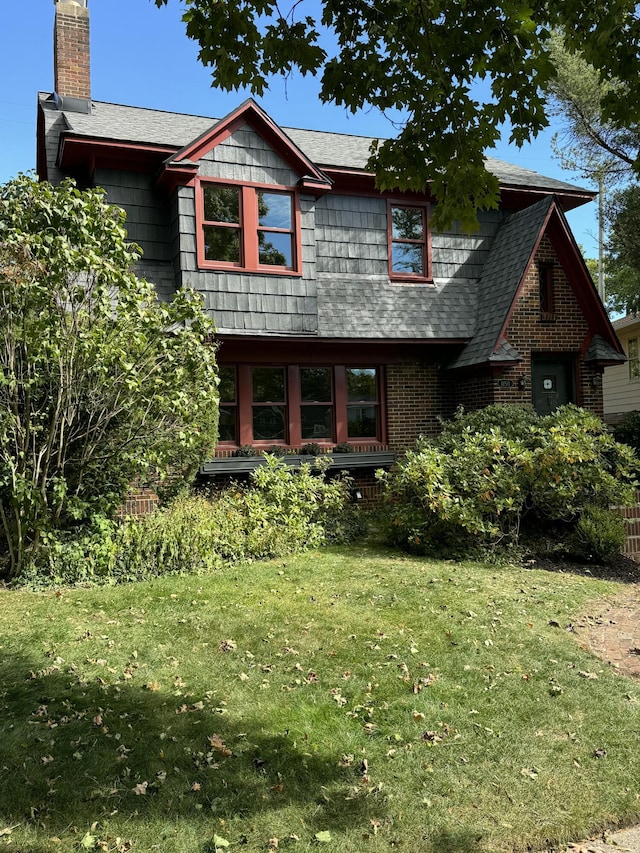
408,242
294,405
247,227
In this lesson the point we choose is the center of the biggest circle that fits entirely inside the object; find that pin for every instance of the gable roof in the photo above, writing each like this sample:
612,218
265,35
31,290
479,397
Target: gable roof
169,133
511,254
251,115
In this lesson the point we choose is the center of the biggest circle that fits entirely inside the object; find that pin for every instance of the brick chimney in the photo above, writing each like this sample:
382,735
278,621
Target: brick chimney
72,71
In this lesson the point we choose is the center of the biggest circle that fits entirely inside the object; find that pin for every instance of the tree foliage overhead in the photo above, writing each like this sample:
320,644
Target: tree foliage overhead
424,58
100,382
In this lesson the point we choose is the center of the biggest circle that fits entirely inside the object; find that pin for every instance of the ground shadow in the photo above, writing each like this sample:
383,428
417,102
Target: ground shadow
74,751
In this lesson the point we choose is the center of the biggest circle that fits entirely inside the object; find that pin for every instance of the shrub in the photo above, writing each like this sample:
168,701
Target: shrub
628,431
283,510
311,449
598,535
493,471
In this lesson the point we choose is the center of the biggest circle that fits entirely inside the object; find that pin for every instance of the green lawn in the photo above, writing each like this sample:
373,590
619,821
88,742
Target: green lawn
342,700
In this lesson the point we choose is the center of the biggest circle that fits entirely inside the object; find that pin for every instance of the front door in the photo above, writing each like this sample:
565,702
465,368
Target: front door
553,383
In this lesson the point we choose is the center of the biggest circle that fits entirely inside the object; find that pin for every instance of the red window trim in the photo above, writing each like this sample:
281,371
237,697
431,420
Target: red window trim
293,402
248,227
426,276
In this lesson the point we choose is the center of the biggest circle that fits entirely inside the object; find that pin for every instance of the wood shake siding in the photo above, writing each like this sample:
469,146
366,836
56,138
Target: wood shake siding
459,255
148,220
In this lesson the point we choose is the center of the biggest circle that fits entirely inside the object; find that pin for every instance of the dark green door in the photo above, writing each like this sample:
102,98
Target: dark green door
553,383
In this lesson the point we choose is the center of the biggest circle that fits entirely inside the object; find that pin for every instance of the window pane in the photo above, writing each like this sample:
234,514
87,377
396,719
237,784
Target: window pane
227,386
221,204
407,257
316,421
268,423
274,210
268,384
361,384
407,223
227,423
221,244
361,422
275,248
315,384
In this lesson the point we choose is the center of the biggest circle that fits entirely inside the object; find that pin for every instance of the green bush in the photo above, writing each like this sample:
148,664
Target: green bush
599,534
628,431
281,511
494,471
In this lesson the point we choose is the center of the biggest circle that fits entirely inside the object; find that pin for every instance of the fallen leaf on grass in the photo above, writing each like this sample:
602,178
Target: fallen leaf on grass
529,772
140,789
323,837
216,742
219,842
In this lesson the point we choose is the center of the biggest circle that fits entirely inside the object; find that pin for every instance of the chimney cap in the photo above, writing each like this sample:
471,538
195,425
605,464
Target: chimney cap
82,3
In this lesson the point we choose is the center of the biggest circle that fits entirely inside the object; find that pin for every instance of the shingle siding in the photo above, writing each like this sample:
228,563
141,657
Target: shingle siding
148,221
244,156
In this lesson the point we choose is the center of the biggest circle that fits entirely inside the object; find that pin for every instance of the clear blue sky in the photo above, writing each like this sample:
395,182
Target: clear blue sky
140,55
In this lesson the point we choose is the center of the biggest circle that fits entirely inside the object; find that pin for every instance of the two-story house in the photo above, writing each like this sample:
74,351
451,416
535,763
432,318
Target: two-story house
341,316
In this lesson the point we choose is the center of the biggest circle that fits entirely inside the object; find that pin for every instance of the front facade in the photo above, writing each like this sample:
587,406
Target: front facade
622,382
341,317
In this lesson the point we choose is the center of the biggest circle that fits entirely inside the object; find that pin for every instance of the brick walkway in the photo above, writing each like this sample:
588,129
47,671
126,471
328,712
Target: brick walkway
614,635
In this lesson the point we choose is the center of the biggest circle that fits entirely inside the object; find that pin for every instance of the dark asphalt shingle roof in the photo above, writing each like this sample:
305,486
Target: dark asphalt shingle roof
510,254
377,309
340,150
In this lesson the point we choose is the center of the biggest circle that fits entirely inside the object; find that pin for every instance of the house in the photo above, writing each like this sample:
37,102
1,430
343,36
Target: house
341,316
621,387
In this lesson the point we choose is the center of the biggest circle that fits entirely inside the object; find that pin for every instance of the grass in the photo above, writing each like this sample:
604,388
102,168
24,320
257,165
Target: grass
347,700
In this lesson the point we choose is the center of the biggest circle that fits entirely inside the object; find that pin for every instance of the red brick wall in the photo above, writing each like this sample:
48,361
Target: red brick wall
72,73
414,403
138,503
563,332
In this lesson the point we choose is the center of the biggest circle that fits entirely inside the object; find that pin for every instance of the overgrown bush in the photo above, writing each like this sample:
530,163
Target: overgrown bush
281,511
494,471
598,535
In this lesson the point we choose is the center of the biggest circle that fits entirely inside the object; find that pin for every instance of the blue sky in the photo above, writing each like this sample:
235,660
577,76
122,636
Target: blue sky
140,55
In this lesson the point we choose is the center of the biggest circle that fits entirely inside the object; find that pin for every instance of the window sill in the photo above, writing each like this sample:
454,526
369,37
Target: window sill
212,266
339,462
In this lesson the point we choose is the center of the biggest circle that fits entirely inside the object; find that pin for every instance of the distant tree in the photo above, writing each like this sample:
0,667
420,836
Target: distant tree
100,382
623,263
424,60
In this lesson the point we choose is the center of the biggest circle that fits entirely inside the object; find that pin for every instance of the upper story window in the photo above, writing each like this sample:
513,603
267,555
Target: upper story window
408,241
248,227
546,289
634,358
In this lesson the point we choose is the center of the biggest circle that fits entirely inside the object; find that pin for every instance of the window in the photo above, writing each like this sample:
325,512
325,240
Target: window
247,227
269,408
228,412
634,360
546,289
408,244
362,402
316,406
296,404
